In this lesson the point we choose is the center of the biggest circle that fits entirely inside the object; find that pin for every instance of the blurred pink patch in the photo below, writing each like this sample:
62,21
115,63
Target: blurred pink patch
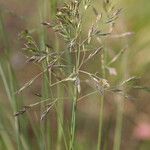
142,131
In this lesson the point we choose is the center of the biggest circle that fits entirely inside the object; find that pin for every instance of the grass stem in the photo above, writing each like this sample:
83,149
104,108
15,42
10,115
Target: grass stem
101,115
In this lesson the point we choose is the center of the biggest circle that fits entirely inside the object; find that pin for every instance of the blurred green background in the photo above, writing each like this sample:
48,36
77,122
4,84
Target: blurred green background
18,15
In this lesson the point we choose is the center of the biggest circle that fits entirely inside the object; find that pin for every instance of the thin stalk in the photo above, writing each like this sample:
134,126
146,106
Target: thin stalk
120,100
101,115
60,109
45,136
119,120
60,104
60,123
119,116
73,120
74,103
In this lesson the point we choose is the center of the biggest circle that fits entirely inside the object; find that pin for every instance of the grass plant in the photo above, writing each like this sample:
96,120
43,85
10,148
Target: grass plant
64,72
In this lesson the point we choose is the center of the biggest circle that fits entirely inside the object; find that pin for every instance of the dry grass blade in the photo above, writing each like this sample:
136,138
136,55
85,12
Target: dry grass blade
120,92
114,16
122,35
84,96
22,111
36,77
48,109
28,83
27,107
147,89
129,80
94,53
36,58
117,56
